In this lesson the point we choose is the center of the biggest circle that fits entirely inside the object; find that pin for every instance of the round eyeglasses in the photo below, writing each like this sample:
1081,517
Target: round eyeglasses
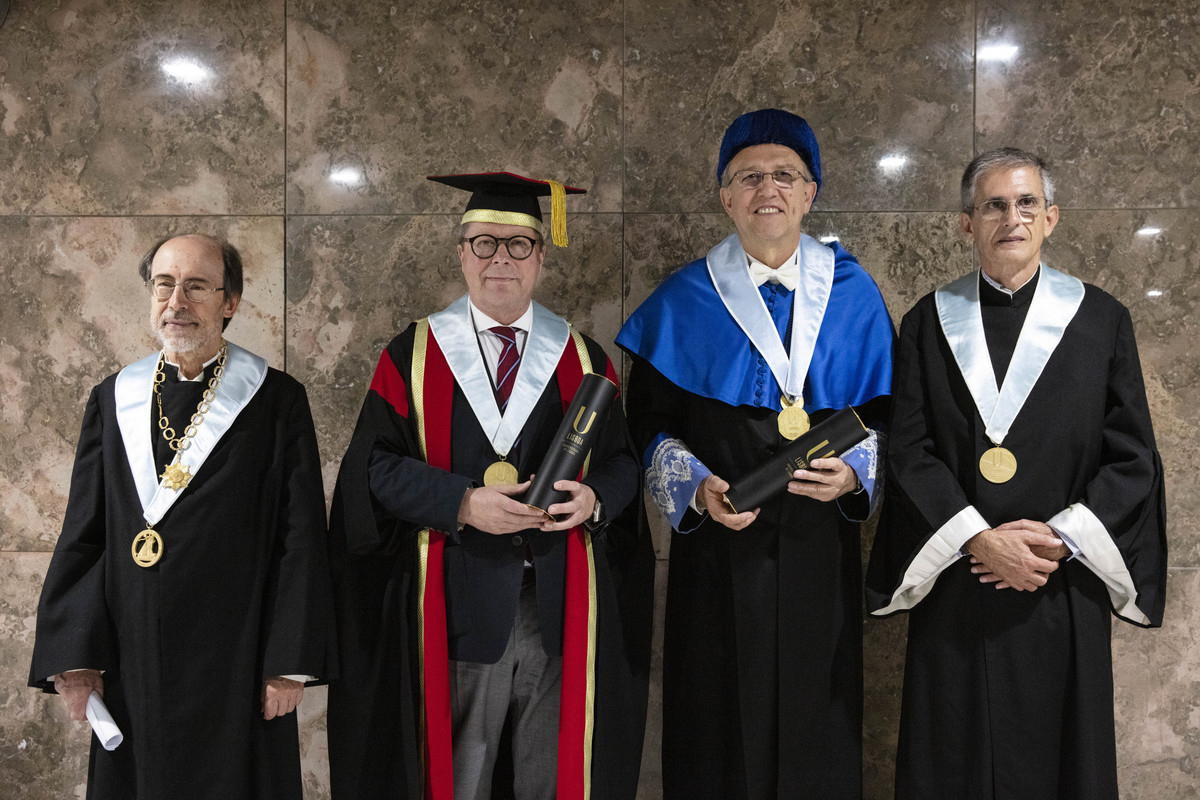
1028,207
485,246
753,178
193,291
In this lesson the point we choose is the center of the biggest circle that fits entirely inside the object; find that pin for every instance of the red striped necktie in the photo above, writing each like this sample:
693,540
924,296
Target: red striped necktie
510,359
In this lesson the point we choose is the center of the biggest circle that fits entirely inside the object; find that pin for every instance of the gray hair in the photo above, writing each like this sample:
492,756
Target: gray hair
460,232
1003,158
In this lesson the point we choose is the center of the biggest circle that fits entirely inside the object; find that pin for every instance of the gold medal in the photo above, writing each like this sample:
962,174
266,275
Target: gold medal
998,465
176,476
793,419
147,548
500,473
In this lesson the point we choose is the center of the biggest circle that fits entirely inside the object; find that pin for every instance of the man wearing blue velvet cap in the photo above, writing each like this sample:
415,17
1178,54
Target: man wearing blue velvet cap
732,356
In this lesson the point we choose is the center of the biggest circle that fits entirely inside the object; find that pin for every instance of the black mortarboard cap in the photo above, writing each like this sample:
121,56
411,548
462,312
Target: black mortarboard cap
509,199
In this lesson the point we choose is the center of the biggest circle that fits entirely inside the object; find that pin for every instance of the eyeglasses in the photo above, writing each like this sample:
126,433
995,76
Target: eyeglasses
1027,207
753,178
193,291
485,246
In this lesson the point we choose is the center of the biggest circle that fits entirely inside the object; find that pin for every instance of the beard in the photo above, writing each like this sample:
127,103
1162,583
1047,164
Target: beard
202,337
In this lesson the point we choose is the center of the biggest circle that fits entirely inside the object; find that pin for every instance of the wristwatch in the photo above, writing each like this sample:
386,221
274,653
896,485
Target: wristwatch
597,517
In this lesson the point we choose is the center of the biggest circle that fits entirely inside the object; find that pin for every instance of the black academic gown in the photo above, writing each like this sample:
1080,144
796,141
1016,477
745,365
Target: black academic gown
375,708
762,660
1009,694
241,594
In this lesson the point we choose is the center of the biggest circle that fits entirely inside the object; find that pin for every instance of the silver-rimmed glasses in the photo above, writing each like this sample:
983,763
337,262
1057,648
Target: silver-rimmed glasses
194,291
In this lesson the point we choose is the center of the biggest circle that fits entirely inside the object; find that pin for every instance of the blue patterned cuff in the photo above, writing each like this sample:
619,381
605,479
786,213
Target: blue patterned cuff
864,458
673,475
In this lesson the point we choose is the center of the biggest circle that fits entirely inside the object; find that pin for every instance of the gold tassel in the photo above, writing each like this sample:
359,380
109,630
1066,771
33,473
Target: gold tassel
558,214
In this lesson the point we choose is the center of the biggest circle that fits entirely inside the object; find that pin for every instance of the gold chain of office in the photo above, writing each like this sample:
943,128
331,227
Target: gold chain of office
176,476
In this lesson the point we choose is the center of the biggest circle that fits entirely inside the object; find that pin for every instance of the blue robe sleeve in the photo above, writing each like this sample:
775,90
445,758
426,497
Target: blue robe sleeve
673,475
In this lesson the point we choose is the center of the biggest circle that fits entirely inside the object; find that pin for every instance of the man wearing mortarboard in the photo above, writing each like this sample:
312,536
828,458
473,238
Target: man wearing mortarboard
733,355
486,649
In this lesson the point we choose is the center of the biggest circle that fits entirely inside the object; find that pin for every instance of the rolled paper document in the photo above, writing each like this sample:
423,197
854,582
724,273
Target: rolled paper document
831,438
107,732
572,442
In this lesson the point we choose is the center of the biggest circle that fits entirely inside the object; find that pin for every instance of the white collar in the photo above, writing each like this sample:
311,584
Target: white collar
199,375
998,286
484,323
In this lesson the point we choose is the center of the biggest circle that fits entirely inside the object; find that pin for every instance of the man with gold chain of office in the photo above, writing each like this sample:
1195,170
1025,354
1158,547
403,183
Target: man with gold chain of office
189,587
1025,507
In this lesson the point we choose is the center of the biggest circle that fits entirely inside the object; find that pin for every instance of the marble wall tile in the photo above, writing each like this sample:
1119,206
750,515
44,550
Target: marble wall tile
1154,276
43,754
1157,688
381,94
908,254
354,282
314,743
142,108
1108,89
875,79
75,311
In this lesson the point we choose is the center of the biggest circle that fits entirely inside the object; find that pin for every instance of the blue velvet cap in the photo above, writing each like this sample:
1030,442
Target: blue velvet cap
771,126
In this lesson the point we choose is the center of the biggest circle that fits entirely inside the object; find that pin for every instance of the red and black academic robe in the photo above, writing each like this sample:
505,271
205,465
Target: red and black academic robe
241,594
380,720
1010,694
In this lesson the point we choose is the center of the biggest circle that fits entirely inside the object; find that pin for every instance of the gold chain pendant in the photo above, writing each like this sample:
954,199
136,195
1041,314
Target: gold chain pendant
177,476
147,548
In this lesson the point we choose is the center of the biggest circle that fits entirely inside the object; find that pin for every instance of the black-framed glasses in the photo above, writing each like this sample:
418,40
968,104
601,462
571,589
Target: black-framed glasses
1027,207
753,178
193,291
485,246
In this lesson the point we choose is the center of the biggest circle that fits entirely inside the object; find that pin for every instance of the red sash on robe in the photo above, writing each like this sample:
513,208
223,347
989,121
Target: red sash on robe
432,394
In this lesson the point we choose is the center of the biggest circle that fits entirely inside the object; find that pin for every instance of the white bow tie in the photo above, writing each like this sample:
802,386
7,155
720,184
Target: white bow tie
788,275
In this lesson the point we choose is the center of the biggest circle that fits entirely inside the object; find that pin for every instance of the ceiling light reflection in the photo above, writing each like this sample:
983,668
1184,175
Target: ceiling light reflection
346,176
997,52
1154,293
186,70
892,162
830,238
1149,231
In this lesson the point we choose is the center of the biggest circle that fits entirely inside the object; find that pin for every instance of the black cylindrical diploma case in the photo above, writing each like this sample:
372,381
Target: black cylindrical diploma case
830,439
572,442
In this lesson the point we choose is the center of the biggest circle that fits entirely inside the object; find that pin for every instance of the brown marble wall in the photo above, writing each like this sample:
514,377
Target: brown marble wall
302,131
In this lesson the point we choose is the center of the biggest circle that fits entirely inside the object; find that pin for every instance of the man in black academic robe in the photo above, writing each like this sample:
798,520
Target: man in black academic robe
1024,505
196,605
436,424
762,662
